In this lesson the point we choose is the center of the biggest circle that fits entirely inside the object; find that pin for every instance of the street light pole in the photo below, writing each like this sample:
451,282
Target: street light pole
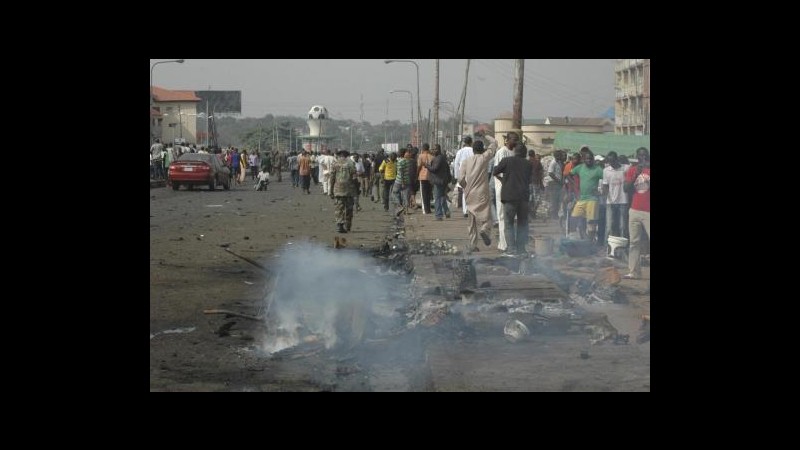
411,96
419,108
152,100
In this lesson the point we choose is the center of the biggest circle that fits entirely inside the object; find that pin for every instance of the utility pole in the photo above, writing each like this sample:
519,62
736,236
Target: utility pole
386,122
462,103
519,76
436,103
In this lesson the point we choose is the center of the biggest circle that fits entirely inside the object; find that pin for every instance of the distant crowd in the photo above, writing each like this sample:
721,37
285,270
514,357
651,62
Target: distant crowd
593,197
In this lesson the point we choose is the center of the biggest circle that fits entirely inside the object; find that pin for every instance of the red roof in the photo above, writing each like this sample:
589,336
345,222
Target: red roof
155,112
165,95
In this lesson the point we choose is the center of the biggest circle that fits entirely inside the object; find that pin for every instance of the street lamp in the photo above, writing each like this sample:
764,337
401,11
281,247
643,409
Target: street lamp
411,96
179,61
208,117
419,108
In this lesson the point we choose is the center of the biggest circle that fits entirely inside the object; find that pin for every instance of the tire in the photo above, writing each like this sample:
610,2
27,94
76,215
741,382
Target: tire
227,184
212,185
175,186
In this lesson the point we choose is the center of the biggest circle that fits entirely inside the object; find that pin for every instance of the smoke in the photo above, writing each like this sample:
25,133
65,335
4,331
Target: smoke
322,295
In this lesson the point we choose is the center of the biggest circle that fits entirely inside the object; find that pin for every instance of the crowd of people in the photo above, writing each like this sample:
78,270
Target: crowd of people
592,197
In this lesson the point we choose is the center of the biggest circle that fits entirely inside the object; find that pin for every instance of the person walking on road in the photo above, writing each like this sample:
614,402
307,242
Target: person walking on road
637,181
514,195
423,161
343,179
461,156
388,169
439,176
476,192
512,140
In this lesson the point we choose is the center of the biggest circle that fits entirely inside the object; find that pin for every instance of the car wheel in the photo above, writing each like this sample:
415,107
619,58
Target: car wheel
213,184
190,187
175,186
227,183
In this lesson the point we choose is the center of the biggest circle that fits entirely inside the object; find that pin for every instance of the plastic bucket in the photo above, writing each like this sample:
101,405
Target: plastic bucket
543,245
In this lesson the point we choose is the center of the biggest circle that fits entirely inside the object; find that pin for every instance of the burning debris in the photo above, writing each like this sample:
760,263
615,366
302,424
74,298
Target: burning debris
602,289
433,247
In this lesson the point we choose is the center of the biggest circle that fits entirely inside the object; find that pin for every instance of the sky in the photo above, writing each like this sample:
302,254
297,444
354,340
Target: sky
346,87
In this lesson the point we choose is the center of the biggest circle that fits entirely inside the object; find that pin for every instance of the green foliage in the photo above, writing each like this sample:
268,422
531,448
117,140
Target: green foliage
247,132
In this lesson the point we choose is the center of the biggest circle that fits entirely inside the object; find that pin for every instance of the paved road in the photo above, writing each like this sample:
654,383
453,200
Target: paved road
190,272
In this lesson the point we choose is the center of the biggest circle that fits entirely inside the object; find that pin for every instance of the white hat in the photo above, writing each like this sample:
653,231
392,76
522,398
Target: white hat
598,158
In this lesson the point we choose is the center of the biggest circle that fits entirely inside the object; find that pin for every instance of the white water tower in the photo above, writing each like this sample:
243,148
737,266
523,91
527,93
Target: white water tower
316,140
317,119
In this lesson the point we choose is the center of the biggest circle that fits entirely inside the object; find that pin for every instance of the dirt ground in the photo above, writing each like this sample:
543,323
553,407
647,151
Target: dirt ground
191,271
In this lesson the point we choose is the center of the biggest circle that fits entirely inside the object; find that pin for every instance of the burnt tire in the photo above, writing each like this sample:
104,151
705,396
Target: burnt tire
227,184
212,185
175,186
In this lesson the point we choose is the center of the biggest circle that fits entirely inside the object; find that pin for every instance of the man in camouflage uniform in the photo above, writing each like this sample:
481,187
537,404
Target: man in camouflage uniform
342,189
277,164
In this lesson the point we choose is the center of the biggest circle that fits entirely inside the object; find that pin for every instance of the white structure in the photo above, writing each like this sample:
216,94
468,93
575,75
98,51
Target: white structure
632,85
318,119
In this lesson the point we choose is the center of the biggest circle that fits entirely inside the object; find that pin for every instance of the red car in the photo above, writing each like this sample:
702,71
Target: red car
191,169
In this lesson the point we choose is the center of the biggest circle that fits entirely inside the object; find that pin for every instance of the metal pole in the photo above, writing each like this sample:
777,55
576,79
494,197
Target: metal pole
180,120
419,107
385,122
519,76
462,104
436,103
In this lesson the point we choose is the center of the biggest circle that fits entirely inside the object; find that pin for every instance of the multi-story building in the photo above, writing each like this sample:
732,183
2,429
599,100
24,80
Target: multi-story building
632,86
174,115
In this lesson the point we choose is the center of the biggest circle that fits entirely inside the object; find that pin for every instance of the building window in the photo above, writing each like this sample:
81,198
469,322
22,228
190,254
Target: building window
547,141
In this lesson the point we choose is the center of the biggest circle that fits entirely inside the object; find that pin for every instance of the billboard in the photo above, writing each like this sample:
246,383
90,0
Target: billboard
220,101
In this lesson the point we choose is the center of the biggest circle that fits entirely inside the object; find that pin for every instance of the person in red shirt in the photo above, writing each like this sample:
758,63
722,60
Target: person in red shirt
637,182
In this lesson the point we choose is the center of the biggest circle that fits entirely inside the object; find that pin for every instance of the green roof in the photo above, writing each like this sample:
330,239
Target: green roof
601,143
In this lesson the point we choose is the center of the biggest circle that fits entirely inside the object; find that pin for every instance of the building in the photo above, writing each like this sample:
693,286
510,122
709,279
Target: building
174,115
632,106
540,134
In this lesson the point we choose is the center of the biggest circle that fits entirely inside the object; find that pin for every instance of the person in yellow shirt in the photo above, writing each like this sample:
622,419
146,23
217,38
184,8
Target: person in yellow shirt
389,170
